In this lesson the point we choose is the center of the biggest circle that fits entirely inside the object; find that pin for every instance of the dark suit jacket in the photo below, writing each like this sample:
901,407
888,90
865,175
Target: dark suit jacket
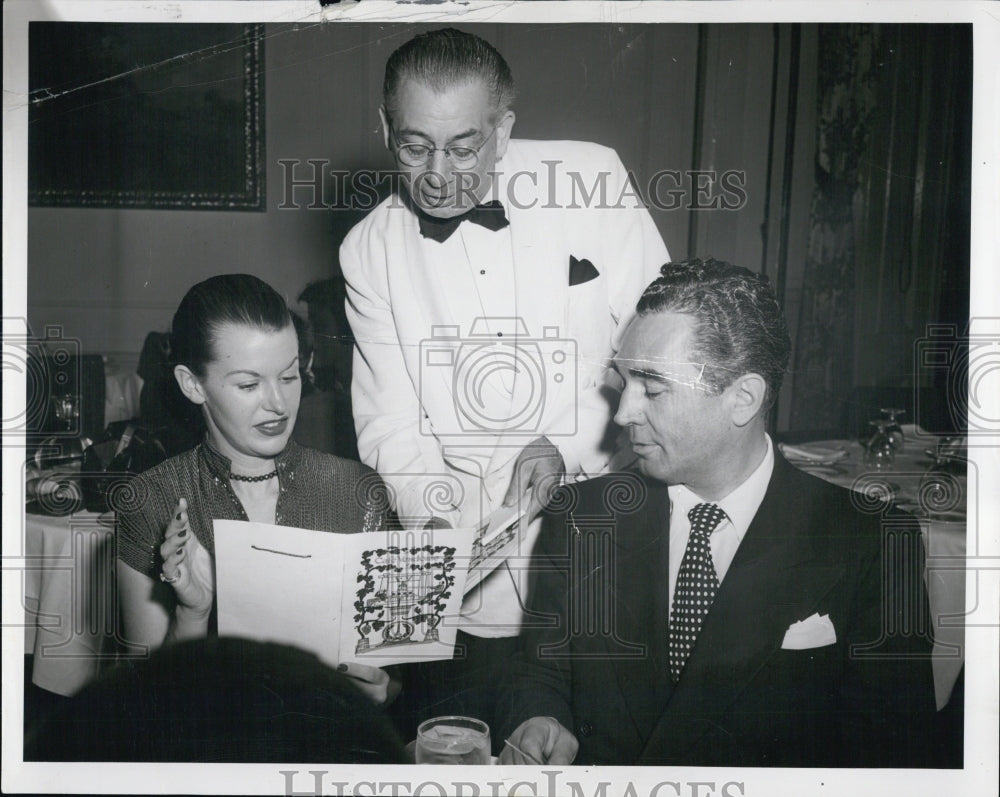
594,654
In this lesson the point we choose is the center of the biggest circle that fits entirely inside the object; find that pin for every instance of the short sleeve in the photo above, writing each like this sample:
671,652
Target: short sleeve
140,521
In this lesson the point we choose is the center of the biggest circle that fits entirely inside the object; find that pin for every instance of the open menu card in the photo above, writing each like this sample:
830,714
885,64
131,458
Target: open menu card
497,539
376,598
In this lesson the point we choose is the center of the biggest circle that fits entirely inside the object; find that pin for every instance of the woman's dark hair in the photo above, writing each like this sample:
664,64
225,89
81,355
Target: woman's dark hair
226,299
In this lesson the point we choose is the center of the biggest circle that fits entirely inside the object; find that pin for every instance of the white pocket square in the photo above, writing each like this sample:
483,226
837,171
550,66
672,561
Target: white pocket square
813,632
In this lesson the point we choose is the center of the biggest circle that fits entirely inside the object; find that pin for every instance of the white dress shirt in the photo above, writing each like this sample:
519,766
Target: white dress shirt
477,280
740,507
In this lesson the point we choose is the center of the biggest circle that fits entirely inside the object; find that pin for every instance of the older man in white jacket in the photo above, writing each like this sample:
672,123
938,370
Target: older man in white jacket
486,296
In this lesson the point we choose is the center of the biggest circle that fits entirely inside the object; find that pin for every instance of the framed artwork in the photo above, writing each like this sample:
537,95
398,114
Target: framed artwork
146,116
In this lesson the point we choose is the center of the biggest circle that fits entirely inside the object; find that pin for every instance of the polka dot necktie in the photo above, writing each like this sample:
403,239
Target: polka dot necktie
697,584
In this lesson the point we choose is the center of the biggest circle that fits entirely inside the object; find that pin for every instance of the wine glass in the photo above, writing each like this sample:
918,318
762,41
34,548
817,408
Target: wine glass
67,409
879,450
453,740
891,417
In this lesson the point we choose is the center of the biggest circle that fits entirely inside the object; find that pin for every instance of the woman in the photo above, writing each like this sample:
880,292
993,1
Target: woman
236,357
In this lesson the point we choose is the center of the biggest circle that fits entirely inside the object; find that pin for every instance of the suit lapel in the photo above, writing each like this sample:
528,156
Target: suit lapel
641,551
541,259
773,581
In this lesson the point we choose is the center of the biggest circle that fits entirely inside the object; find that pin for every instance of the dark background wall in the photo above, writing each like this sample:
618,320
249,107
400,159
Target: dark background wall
751,99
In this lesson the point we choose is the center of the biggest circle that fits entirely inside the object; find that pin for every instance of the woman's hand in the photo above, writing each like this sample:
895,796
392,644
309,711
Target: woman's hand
373,682
187,567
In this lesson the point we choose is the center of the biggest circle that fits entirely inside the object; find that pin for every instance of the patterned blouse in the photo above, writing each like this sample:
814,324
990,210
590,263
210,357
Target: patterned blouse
317,491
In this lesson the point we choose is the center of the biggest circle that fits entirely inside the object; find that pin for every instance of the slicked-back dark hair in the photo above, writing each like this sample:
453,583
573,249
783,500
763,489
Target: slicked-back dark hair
447,57
225,299
739,327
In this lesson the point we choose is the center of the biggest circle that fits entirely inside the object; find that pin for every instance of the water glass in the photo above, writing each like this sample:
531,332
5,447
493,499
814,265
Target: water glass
67,409
893,429
453,740
880,453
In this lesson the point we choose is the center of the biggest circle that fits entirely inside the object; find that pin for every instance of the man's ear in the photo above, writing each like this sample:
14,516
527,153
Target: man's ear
504,128
746,396
189,384
385,126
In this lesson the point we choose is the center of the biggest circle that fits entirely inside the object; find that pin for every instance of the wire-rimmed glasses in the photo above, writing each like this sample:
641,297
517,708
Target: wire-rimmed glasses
418,154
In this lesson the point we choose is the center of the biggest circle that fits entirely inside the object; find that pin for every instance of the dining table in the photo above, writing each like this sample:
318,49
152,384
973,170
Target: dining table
70,601
72,628
939,502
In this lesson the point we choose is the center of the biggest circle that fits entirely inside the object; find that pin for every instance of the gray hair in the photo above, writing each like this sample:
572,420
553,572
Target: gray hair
447,57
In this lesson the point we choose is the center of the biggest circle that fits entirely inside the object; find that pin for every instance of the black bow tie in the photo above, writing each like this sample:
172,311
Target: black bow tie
490,215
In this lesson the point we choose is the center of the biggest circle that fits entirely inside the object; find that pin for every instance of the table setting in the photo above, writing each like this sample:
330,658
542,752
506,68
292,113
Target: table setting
927,476
71,486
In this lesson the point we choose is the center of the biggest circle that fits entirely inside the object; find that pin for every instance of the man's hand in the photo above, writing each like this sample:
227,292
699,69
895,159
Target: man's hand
540,740
539,468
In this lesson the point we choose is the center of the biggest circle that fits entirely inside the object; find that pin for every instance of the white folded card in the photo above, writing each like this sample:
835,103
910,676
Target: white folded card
377,597
497,539
815,631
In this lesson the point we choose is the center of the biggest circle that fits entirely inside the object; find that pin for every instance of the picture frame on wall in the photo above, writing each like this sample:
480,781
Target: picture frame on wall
146,116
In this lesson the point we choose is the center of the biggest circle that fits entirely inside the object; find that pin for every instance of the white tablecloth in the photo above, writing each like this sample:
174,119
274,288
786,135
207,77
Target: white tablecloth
69,598
944,542
69,585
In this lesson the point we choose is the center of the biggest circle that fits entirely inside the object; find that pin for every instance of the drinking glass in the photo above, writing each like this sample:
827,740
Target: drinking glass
879,451
453,740
891,417
67,409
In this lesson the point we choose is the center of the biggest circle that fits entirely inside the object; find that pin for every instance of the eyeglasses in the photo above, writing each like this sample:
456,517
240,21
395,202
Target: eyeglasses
418,154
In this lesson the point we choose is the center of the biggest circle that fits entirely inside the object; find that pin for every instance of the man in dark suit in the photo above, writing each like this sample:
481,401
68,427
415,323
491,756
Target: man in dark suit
723,608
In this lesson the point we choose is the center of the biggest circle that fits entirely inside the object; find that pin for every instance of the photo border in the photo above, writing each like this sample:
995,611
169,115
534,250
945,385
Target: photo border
980,773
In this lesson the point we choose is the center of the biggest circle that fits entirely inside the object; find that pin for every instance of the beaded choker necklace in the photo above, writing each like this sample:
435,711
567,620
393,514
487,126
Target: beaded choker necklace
264,478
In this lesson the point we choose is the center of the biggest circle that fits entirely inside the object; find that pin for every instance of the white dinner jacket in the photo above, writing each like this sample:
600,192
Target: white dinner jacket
563,198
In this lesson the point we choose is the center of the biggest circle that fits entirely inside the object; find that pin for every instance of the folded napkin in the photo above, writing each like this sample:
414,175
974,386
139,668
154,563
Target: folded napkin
812,453
816,631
